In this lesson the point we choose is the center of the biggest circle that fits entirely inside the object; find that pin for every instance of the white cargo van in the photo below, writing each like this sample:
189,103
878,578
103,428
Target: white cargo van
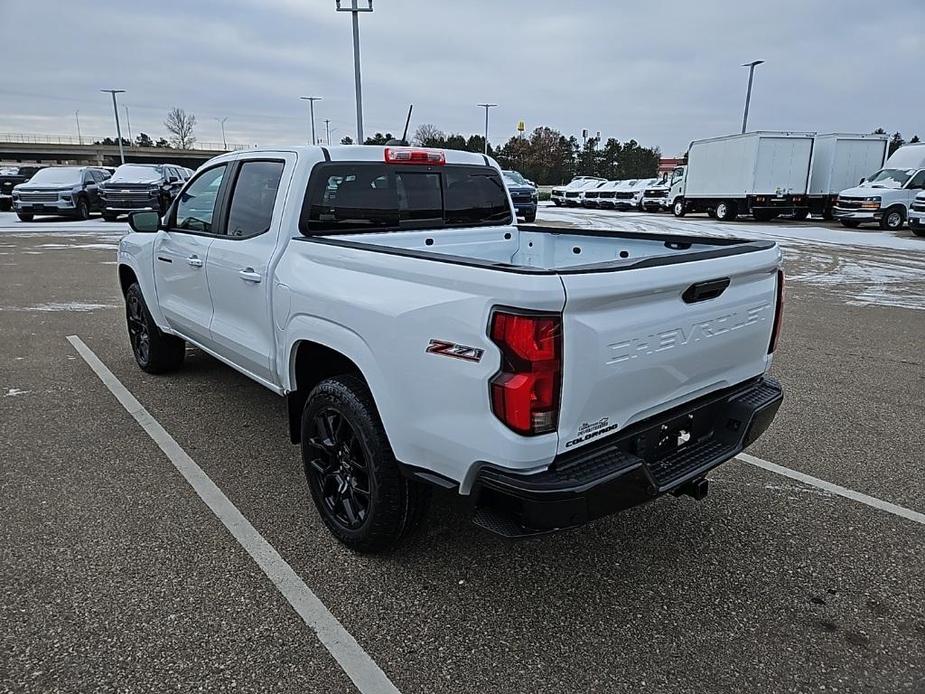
886,197
762,173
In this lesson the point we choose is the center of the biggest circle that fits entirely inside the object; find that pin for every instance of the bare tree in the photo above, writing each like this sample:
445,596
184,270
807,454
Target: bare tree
429,135
180,125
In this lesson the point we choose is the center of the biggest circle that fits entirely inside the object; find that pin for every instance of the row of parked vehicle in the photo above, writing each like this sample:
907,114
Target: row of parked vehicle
649,194
78,191
770,174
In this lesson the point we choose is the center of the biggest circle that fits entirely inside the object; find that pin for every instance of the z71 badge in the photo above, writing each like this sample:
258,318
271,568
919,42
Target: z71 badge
451,349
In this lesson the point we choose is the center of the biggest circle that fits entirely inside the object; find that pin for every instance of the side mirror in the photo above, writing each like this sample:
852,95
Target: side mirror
147,222
861,181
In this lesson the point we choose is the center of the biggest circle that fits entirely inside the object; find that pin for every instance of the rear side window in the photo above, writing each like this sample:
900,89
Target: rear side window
357,197
253,198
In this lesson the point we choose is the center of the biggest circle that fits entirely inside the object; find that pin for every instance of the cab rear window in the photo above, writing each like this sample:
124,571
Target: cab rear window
357,197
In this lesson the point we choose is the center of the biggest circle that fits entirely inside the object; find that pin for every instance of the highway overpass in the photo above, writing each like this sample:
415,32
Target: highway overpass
67,150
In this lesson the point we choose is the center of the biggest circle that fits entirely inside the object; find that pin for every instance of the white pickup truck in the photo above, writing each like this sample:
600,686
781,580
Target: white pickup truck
423,339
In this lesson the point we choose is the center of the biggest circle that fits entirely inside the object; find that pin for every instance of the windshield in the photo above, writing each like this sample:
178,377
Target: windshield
132,173
891,178
9,170
514,176
511,181
57,176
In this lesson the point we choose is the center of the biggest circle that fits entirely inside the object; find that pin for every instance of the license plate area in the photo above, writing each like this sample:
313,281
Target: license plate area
678,432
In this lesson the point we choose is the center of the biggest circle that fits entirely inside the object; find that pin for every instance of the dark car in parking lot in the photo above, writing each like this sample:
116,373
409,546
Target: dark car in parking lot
70,191
523,195
135,187
12,175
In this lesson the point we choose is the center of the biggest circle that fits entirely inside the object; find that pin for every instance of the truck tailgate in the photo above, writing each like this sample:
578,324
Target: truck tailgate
641,341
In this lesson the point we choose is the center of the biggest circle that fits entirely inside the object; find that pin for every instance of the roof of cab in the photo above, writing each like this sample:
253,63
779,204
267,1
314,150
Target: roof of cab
355,153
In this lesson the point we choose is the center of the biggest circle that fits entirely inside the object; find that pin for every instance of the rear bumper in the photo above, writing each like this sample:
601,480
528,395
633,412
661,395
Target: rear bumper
630,467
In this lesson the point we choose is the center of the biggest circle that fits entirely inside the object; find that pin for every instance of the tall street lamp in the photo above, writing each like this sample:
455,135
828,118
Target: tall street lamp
222,122
355,9
327,129
311,108
80,140
115,109
748,93
486,107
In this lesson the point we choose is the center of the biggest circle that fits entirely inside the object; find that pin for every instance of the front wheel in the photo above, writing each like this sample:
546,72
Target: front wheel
530,217
361,495
155,351
801,215
109,216
678,208
850,223
83,209
918,231
892,220
25,216
764,215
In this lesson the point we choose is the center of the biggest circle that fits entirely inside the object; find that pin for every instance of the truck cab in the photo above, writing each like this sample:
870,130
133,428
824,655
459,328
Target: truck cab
917,215
886,197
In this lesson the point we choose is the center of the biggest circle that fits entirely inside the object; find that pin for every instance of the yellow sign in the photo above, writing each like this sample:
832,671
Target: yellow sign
520,126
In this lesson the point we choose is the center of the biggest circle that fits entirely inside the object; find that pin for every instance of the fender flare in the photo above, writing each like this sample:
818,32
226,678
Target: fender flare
339,338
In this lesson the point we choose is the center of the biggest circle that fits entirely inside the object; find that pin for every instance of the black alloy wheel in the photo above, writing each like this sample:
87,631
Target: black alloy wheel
340,469
138,332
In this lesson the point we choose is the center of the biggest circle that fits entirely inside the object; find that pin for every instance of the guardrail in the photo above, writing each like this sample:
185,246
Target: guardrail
89,141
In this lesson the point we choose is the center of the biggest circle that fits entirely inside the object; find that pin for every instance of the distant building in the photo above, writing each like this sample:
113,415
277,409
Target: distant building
668,165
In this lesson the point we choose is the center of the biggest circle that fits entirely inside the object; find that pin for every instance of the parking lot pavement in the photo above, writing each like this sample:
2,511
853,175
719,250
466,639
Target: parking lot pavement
118,576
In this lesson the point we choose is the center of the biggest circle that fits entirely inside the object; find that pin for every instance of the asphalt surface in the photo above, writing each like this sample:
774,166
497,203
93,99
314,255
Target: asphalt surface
116,577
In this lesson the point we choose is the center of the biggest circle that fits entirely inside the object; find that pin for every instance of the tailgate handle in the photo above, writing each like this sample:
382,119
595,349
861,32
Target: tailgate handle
705,290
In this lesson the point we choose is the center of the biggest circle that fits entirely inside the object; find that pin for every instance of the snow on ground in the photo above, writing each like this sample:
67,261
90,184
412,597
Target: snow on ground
861,267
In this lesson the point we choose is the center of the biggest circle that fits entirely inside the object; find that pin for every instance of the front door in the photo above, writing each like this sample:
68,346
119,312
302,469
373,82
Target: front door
180,254
239,267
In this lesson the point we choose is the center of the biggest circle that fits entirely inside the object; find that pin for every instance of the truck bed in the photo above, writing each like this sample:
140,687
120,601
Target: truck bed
548,250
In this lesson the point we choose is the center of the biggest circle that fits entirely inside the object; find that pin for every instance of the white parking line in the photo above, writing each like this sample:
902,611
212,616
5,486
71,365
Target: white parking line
872,501
355,662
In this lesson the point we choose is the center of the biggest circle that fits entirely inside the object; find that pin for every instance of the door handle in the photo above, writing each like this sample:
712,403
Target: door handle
249,275
194,261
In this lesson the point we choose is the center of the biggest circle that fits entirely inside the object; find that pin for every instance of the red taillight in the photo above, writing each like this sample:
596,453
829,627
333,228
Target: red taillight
525,392
414,155
778,311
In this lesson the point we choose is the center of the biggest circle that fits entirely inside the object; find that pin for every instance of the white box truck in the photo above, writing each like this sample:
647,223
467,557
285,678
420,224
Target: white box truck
762,173
840,161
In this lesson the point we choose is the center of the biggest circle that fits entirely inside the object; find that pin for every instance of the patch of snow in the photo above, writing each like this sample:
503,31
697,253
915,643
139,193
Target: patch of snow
13,392
77,306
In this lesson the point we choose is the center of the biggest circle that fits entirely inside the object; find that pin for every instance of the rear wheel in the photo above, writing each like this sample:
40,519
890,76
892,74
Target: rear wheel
850,223
726,211
25,216
892,219
800,215
678,208
155,351
356,485
109,217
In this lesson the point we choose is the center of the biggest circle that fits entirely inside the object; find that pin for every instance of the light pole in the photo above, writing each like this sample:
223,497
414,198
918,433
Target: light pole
486,107
327,130
80,140
356,9
128,125
222,122
115,110
311,108
748,93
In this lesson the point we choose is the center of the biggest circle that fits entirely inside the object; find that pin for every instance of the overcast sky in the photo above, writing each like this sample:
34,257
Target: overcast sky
663,72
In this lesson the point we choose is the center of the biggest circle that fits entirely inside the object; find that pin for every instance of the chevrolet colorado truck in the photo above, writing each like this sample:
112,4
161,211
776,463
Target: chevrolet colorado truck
422,339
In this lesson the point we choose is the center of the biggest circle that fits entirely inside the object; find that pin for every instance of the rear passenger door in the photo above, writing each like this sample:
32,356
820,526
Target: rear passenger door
239,261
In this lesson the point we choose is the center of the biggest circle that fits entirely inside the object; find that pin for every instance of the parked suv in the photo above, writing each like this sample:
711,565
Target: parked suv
136,187
72,191
12,175
523,195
